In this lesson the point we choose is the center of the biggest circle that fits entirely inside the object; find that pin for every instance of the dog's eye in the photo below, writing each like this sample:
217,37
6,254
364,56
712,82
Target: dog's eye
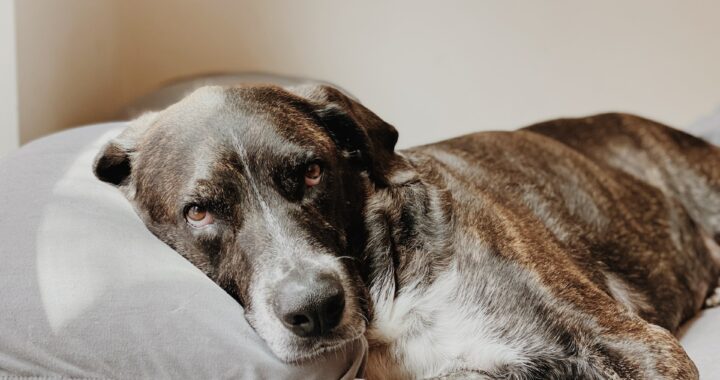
313,173
198,216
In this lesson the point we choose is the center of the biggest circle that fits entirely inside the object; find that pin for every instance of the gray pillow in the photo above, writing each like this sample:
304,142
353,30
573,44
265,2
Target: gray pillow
707,127
87,291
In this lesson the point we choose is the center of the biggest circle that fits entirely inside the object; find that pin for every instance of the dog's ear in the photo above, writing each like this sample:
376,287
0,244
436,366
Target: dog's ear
112,165
360,134
114,162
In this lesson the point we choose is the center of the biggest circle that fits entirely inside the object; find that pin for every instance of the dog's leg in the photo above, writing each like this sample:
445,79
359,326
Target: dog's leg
612,338
648,352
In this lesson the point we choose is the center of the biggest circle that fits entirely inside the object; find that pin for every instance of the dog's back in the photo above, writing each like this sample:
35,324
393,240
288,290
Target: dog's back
681,165
614,189
685,169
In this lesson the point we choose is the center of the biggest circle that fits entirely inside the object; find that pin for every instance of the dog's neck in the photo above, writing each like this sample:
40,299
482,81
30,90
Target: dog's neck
408,225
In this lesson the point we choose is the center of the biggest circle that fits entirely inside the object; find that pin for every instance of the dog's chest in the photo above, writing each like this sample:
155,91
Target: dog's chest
427,332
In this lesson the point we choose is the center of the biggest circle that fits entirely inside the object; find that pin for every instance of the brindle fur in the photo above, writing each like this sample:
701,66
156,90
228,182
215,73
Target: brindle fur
569,249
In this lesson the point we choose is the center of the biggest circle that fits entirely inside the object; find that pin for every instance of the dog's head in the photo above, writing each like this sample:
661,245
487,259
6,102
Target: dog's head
263,189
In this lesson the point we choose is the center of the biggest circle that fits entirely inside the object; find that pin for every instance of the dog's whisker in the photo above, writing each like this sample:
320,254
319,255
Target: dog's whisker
339,258
361,315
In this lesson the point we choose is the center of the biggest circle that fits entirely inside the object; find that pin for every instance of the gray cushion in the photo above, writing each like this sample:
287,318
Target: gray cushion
708,127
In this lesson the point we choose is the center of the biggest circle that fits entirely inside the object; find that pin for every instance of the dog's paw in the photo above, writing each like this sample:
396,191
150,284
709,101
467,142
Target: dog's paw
714,299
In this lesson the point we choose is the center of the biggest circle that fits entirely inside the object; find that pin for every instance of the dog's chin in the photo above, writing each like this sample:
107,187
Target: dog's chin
304,350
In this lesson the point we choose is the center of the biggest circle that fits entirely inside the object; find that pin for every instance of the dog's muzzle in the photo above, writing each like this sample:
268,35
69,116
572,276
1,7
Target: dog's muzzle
309,304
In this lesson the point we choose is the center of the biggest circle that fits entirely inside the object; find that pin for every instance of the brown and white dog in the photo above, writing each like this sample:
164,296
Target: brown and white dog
569,249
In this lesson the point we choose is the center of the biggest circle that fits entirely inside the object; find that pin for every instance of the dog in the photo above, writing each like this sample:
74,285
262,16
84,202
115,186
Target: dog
569,249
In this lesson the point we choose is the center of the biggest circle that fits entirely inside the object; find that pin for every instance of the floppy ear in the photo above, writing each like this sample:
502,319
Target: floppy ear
113,164
362,136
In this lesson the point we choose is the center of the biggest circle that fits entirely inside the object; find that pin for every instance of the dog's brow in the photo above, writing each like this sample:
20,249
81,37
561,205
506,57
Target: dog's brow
277,233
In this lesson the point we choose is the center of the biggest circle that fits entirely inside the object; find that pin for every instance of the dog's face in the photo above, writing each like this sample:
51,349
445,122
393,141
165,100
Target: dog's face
263,189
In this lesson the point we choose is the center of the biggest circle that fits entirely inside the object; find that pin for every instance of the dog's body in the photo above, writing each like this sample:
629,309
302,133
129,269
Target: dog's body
571,235
570,249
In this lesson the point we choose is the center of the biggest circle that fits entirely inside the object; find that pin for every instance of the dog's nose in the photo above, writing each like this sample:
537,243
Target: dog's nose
309,305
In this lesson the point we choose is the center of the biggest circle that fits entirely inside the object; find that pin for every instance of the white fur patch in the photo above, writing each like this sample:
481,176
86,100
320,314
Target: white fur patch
457,337
433,330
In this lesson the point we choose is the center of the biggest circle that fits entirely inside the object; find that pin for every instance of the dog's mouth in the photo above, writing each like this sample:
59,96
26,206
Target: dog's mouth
324,348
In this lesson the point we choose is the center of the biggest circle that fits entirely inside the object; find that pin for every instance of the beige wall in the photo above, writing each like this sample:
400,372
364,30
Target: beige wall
68,63
9,139
434,69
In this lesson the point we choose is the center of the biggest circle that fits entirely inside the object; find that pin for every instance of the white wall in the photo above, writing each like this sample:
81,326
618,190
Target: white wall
9,139
434,69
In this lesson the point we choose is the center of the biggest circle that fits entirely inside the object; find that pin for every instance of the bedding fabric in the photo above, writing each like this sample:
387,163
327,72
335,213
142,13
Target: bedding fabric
87,292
